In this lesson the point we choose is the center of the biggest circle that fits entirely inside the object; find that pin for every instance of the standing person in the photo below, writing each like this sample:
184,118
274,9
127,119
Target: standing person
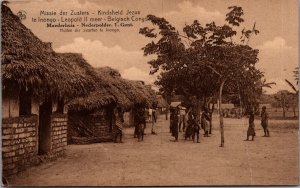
144,119
196,129
251,130
264,121
153,121
205,119
171,119
135,120
154,115
150,110
174,119
182,119
118,125
140,121
189,127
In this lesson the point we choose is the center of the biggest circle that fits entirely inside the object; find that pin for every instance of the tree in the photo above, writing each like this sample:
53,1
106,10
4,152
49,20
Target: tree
296,76
294,88
205,60
285,99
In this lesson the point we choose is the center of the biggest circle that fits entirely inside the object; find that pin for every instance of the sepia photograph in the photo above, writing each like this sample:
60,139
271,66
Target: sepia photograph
149,93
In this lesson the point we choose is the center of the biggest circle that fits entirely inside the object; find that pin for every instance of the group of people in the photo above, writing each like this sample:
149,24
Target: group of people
179,116
187,121
141,116
191,121
264,123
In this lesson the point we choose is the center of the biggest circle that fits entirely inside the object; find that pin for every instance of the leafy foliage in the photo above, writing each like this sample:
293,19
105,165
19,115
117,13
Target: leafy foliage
194,64
234,17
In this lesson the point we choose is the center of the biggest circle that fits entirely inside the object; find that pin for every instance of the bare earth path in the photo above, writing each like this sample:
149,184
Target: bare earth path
158,161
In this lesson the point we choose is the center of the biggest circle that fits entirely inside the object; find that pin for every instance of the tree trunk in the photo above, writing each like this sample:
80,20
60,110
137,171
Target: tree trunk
198,109
167,112
210,122
221,114
241,103
167,107
283,105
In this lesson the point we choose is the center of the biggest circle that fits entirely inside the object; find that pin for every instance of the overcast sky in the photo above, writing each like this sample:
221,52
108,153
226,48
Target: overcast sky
277,21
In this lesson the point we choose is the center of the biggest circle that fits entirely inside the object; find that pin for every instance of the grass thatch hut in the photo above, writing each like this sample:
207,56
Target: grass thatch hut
34,80
162,104
90,117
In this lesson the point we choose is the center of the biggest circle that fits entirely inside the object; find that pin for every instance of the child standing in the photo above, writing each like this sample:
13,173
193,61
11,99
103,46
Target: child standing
251,130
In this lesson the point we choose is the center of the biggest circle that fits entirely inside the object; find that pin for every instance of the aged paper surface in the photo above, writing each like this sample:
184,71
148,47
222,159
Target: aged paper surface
149,93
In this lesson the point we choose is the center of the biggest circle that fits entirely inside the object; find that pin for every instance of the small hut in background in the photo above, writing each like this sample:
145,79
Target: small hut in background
34,79
162,104
91,117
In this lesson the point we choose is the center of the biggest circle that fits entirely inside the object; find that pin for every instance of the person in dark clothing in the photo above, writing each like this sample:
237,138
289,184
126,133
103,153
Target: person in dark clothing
193,128
175,120
251,130
264,121
171,120
196,128
189,127
140,122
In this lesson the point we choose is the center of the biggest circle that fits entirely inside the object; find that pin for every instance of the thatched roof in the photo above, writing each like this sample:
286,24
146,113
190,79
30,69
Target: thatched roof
27,62
114,89
81,69
144,93
161,102
107,92
135,91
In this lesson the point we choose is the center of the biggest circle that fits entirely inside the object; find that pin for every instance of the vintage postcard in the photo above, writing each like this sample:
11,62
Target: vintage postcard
149,93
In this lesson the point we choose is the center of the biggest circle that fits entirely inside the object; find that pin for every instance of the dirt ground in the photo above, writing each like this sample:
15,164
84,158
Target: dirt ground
159,161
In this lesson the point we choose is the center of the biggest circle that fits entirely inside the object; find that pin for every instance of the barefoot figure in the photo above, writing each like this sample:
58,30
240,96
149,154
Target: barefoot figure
139,123
189,128
251,130
174,122
196,129
264,120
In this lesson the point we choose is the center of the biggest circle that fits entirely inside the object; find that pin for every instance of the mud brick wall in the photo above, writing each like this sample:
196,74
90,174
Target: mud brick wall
101,125
58,134
89,124
19,143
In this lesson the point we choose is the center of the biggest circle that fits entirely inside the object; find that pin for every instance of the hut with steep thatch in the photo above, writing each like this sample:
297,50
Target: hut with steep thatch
162,104
91,117
35,80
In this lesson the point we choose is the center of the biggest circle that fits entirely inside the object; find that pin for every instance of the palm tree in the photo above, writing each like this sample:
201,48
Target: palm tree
296,76
294,88
264,83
